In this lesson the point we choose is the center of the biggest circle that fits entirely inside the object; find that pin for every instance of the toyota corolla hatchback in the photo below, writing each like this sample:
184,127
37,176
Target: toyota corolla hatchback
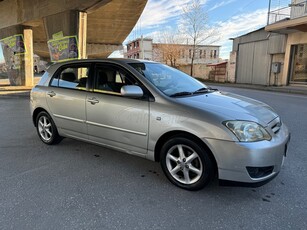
153,111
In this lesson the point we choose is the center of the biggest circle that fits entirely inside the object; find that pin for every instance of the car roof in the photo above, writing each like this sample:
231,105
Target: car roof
110,60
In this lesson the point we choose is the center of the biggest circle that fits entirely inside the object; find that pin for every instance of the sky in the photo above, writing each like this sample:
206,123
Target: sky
231,18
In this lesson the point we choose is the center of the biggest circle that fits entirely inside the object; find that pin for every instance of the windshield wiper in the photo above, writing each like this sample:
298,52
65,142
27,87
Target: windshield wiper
212,89
205,90
201,90
184,93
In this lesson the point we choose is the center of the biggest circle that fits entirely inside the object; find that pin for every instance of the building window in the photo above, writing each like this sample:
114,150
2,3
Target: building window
214,53
204,54
200,54
211,53
190,53
137,44
137,56
182,53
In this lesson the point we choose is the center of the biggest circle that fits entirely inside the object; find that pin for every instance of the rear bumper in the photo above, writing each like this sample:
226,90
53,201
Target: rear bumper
251,163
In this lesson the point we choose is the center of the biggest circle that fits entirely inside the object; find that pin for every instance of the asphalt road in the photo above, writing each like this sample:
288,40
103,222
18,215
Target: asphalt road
75,185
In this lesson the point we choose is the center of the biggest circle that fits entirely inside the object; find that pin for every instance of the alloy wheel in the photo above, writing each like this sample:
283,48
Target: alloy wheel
45,128
184,164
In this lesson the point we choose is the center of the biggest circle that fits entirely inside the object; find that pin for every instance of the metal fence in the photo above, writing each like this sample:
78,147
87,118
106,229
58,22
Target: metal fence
286,9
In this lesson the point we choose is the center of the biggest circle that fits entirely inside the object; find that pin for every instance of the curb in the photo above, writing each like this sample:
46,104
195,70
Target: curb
14,94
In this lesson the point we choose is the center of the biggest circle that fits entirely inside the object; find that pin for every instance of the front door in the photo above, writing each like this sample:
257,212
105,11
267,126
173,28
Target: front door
114,120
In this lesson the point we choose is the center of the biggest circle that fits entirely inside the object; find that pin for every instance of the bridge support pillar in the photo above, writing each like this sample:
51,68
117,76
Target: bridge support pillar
17,46
28,56
82,32
66,33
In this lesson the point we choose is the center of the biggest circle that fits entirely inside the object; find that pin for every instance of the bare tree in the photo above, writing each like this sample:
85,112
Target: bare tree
168,48
195,26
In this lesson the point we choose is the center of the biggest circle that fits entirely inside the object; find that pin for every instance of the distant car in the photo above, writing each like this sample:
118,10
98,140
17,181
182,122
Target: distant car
154,111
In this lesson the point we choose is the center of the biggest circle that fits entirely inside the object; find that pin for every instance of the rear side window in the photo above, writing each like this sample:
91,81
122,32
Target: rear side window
74,77
44,79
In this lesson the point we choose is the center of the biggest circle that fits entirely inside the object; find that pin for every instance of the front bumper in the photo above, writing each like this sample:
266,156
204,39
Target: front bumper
239,161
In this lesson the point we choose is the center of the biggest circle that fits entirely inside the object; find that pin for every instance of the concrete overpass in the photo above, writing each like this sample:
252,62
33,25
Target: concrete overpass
98,27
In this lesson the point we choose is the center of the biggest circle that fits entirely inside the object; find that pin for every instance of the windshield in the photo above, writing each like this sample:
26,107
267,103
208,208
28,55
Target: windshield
170,81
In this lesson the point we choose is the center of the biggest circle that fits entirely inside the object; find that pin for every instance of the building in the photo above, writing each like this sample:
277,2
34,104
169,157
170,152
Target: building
291,20
141,48
276,54
172,54
176,55
253,55
181,54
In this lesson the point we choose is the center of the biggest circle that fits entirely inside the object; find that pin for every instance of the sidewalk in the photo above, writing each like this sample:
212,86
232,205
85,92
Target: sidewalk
6,89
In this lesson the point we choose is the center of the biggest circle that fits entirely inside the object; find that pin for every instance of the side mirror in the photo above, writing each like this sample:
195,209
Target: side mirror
132,91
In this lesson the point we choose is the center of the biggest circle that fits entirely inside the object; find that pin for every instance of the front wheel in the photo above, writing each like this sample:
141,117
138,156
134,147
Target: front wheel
46,129
186,163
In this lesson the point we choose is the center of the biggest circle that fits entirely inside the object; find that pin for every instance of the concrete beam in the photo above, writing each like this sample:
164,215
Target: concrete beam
101,51
13,12
41,49
108,22
66,22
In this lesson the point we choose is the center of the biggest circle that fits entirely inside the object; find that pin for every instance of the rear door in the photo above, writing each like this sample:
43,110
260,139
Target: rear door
66,99
114,120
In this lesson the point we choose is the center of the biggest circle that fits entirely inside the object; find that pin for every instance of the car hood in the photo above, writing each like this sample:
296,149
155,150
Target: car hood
231,106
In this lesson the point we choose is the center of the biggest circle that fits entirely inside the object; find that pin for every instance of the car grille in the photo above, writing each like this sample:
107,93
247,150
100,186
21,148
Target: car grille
275,125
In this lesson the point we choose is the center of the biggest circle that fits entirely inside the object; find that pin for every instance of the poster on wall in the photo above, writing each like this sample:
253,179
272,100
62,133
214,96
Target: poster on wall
63,49
15,44
13,50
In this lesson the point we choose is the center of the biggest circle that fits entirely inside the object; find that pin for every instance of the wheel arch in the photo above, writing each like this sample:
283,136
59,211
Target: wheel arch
36,112
167,136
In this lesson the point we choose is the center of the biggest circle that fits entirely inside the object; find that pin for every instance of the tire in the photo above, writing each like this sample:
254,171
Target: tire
186,164
46,129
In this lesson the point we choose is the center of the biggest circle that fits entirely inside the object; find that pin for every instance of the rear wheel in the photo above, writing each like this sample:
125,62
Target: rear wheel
46,129
186,163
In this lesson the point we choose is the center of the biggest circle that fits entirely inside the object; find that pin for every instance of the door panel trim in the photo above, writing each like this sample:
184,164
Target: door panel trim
116,128
69,118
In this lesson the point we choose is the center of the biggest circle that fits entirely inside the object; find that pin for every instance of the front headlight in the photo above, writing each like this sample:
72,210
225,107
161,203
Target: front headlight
247,131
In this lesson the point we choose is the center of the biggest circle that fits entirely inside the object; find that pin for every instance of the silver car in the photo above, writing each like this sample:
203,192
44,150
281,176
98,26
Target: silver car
153,111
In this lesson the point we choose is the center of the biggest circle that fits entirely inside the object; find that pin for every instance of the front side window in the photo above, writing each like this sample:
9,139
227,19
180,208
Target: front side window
74,77
110,80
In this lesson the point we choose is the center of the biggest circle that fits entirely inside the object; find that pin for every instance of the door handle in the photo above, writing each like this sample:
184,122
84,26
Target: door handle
51,94
93,101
